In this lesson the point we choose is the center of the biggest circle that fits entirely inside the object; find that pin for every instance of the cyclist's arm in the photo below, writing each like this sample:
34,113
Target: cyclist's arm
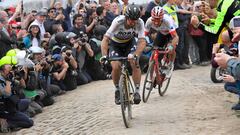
218,22
104,45
107,36
175,37
141,40
140,47
147,27
172,31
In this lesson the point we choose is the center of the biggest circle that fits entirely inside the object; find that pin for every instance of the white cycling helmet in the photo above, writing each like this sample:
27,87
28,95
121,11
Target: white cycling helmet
36,49
157,12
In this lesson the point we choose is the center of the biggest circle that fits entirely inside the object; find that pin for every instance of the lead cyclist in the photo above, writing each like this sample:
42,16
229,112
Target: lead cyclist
119,42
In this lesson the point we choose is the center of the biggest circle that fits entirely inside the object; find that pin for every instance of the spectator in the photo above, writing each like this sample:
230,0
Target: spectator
39,20
69,56
102,19
15,119
149,8
56,28
232,86
66,12
5,40
93,66
59,71
34,36
115,9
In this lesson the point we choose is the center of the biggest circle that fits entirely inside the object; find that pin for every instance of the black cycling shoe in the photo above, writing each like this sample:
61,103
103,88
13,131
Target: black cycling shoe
117,97
137,98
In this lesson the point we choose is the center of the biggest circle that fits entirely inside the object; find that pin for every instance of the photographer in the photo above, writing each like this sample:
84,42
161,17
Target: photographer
232,64
83,50
41,72
93,66
59,71
70,79
9,102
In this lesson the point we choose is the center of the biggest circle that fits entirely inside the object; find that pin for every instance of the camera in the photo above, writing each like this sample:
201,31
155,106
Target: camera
81,5
68,54
83,37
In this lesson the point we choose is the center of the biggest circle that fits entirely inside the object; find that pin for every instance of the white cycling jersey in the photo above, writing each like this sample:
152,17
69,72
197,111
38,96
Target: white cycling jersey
167,26
118,33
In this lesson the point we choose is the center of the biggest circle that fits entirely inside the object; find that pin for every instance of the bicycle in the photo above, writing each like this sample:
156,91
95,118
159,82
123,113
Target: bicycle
158,74
126,91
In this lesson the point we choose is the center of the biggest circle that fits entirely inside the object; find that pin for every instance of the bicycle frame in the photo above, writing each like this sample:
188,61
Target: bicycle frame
154,57
126,91
125,72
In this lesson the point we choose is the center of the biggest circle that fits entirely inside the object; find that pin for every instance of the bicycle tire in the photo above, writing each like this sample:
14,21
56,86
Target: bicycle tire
146,90
166,81
215,75
126,106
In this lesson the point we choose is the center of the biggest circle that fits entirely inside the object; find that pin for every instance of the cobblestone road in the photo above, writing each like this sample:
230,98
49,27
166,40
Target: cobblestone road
193,105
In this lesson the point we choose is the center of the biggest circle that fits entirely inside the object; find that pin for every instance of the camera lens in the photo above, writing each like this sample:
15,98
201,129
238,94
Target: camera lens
68,54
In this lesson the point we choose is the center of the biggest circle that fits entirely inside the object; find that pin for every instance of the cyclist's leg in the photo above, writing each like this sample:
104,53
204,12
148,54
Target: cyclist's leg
136,71
115,51
161,41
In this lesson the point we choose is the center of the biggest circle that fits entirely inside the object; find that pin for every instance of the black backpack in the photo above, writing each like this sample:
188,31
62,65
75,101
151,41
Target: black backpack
32,81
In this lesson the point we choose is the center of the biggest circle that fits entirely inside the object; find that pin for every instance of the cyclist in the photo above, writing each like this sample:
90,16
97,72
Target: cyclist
119,39
166,29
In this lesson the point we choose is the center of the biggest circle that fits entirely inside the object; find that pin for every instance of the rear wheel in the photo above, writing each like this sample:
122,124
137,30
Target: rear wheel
166,74
148,82
126,106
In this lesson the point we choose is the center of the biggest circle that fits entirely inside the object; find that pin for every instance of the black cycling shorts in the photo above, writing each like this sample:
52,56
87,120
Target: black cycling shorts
121,49
162,40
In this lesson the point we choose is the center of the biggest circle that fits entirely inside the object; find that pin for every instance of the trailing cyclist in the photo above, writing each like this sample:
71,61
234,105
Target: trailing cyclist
166,29
119,39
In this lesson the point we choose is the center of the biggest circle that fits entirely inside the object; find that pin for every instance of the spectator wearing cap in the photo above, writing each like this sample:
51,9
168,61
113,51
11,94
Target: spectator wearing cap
66,11
59,71
10,11
8,111
34,36
39,20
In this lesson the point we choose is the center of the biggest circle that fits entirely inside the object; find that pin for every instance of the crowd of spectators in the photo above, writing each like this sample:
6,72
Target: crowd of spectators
58,49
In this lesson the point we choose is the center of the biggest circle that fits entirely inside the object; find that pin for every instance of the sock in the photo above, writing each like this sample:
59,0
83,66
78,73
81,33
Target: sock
137,86
116,86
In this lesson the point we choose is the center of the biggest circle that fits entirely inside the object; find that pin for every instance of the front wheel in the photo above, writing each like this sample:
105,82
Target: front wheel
166,74
126,106
148,82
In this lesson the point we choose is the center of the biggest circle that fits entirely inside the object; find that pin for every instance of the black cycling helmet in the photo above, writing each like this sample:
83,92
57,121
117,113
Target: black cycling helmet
99,30
64,37
133,12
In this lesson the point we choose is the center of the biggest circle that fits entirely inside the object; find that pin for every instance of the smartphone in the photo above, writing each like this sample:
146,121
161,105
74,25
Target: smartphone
236,22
